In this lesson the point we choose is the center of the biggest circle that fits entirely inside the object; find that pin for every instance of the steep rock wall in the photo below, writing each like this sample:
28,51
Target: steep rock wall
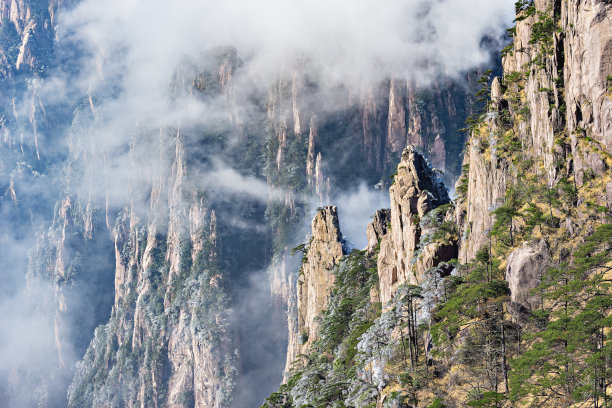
587,74
416,191
316,280
556,93
170,320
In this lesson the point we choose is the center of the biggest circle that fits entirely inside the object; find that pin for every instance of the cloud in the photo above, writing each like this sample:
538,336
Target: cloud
117,59
143,40
226,180
355,211
128,52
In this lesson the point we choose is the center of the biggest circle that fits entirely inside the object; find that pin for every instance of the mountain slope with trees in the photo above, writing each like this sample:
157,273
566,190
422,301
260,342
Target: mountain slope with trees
522,316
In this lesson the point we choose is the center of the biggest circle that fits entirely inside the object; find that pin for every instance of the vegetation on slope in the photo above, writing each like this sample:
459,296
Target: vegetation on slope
459,339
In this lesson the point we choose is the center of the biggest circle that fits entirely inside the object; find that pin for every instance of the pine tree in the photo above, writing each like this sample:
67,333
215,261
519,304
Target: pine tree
569,360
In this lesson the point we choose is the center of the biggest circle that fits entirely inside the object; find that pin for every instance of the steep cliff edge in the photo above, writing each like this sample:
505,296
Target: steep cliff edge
550,113
315,281
404,256
168,340
522,318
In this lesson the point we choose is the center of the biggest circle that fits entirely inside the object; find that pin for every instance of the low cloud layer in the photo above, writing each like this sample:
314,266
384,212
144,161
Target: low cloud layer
118,58
355,211
345,39
129,51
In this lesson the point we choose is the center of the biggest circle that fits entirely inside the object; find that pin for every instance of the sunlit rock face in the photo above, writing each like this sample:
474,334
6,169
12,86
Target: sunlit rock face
567,92
524,271
416,191
378,227
316,280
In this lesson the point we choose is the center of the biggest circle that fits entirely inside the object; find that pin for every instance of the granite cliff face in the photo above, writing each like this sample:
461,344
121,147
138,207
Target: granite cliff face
378,228
151,275
172,338
526,265
530,224
315,282
415,192
27,53
163,343
556,90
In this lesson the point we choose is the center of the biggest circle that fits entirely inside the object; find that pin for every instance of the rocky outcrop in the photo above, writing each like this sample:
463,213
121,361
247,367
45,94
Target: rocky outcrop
416,191
486,185
539,159
316,279
524,271
378,228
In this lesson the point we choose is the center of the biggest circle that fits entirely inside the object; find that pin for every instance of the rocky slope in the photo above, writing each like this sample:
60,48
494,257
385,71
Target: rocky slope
346,339
507,323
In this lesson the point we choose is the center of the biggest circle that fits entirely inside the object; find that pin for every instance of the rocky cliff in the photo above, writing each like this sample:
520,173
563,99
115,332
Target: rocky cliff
161,297
168,339
410,236
555,96
530,228
404,256
315,282
28,33
27,54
